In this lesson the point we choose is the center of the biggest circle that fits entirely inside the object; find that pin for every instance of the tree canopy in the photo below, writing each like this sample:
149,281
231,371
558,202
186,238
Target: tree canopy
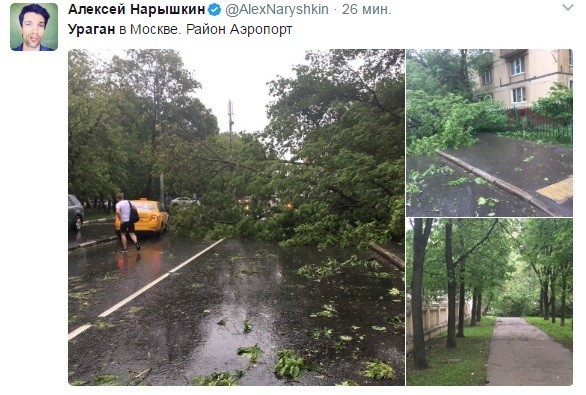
444,105
507,266
332,155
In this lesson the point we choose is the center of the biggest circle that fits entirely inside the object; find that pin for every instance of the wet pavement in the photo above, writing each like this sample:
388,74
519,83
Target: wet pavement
522,354
91,233
192,323
438,198
520,165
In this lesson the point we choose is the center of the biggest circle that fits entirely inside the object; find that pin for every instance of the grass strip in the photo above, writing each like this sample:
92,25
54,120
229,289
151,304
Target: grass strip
563,334
460,366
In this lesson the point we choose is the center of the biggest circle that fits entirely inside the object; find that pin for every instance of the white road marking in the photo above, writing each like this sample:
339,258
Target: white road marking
83,328
78,331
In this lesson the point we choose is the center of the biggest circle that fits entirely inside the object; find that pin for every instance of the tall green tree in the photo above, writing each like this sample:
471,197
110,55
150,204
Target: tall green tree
340,121
444,104
421,234
546,247
96,154
162,91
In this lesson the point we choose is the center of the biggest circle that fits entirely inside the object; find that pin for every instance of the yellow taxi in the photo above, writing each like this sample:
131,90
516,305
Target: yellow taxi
153,217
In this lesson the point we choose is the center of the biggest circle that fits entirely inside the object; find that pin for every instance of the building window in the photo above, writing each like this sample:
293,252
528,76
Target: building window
487,77
571,58
517,66
571,84
518,95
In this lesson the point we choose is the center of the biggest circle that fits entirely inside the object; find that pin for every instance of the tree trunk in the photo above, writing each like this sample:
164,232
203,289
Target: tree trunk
464,67
552,301
563,306
479,306
546,300
487,307
451,274
420,238
473,312
462,303
541,305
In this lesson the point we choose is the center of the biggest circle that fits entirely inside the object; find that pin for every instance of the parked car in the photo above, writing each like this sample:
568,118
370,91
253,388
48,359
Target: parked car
183,201
75,213
153,217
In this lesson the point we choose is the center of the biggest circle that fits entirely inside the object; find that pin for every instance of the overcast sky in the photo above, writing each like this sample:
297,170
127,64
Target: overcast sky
239,75
242,78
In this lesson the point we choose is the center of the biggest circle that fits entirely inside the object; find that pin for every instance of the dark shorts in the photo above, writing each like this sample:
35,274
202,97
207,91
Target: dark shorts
127,227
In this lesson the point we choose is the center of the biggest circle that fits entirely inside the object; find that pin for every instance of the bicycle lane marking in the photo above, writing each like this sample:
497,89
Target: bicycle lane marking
83,328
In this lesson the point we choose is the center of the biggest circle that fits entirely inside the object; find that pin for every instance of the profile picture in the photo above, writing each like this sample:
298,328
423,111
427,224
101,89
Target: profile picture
33,27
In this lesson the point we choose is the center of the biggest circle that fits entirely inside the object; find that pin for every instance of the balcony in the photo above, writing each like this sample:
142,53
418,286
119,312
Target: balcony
511,53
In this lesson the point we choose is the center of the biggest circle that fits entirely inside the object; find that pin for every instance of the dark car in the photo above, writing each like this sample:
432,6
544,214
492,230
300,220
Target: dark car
75,213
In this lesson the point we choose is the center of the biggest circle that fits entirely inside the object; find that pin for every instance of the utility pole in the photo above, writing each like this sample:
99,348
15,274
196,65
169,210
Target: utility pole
230,121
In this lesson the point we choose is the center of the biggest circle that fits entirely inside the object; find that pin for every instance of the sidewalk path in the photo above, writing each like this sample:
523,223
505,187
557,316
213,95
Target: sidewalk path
522,354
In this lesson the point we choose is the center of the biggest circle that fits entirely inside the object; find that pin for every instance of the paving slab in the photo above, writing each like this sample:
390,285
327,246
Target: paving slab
523,355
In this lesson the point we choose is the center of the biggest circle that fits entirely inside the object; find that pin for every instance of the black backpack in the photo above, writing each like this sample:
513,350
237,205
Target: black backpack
134,217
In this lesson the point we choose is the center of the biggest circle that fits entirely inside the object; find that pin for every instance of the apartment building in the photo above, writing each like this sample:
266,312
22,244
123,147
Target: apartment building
519,77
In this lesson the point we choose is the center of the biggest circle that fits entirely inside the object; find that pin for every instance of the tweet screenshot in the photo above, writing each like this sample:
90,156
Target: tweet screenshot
292,194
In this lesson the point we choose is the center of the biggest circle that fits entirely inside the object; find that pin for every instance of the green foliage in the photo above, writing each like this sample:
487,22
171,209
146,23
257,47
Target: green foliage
252,353
487,267
491,202
516,304
332,267
348,383
345,177
546,255
325,332
448,121
558,104
120,113
328,312
289,365
458,181
108,379
217,379
379,370
331,156
444,108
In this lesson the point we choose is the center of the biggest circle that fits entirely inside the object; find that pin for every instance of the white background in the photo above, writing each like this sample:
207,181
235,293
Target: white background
34,143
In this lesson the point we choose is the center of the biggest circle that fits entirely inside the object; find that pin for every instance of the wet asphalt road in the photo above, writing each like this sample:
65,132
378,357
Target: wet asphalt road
455,192
437,198
172,329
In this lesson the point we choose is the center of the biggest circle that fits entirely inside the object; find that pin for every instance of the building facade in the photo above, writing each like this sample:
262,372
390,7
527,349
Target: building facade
519,77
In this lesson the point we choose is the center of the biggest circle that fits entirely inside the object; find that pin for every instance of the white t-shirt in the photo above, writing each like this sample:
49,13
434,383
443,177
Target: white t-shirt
123,207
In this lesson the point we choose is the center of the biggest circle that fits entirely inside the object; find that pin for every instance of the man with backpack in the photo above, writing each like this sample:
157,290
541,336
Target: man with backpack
126,225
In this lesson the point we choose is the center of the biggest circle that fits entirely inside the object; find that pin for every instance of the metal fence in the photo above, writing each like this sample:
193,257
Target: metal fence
525,122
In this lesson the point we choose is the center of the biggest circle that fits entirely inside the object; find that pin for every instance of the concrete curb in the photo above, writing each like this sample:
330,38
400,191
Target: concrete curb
92,243
97,220
501,184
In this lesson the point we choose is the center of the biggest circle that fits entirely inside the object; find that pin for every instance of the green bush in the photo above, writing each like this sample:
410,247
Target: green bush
516,306
558,105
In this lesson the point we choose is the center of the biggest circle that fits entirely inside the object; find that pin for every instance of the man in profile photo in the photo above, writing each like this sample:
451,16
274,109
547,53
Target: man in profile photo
33,20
